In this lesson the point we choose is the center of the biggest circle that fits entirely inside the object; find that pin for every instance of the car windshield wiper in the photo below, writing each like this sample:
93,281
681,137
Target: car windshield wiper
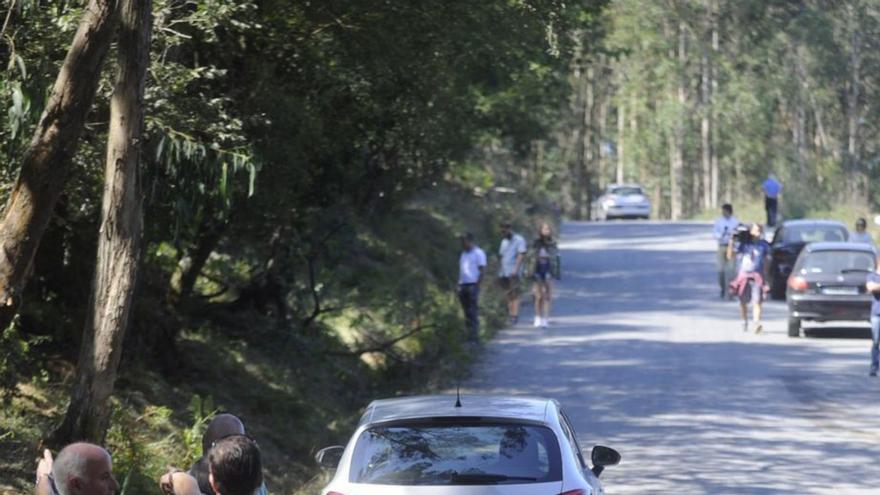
851,270
487,478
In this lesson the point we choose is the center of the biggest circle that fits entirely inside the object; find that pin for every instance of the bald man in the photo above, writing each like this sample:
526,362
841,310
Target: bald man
80,469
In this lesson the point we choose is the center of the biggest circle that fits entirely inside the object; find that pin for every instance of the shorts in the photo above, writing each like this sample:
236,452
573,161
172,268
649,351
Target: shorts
510,285
754,293
542,271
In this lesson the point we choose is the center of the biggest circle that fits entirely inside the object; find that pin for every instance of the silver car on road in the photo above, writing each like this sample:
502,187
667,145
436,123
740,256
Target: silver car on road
482,445
622,201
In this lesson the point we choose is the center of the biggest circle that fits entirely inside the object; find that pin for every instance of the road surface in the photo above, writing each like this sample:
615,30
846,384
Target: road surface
646,358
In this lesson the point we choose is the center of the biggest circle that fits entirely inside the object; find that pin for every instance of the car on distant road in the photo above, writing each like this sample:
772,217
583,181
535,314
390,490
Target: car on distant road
788,241
622,201
828,284
482,445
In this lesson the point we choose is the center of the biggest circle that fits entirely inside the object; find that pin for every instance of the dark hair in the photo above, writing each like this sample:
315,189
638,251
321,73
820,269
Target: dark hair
727,207
236,465
862,222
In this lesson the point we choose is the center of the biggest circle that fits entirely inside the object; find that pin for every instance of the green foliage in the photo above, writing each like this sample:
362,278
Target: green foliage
15,359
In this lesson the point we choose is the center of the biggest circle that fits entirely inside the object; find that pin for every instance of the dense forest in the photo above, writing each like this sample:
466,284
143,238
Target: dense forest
252,206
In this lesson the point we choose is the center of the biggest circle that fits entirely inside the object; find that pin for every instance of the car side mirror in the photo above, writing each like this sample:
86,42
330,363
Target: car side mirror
329,457
603,457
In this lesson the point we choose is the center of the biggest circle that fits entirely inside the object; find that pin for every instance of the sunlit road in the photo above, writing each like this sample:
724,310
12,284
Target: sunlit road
648,360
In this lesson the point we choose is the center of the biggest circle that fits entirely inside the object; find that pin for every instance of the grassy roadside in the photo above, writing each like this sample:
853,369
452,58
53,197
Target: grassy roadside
296,391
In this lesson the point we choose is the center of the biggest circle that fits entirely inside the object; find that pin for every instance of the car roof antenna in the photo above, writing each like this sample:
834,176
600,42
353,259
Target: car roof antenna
458,395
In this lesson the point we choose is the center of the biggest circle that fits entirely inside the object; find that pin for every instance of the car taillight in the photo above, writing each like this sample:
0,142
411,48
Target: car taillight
797,283
574,492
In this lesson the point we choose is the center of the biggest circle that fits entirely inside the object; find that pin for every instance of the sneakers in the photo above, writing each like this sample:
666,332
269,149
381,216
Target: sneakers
745,326
538,321
873,373
758,328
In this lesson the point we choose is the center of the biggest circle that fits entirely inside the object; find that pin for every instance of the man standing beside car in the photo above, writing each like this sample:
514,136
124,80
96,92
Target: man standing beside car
873,286
723,230
512,250
771,188
861,234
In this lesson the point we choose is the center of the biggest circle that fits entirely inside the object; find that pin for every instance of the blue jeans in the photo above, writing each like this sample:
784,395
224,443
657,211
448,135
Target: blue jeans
875,344
469,296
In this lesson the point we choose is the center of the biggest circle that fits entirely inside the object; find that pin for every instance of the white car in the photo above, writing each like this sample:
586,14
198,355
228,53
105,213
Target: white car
487,445
622,201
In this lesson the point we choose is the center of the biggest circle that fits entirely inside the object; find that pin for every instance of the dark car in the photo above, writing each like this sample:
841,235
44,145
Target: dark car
828,284
788,241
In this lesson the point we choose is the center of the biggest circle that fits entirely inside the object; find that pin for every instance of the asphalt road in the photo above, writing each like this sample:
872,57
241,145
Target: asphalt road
646,358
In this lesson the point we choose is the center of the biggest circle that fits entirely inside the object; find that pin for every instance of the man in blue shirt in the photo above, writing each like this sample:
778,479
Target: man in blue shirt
771,188
873,286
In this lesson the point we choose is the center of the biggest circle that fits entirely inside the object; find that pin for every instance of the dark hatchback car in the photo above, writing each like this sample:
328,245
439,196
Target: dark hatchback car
788,241
828,284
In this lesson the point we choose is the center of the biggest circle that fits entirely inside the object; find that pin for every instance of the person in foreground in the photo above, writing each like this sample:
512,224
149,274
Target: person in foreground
873,287
471,263
236,466
752,252
545,251
80,469
512,250
723,229
179,483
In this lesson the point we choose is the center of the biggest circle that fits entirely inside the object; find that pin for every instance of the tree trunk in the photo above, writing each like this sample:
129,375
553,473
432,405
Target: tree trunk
621,142
46,162
119,239
713,76
677,158
600,142
705,131
589,139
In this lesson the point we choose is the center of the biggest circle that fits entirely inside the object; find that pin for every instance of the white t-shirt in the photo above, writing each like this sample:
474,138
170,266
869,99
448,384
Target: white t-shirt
861,238
469,264
724,228
509,250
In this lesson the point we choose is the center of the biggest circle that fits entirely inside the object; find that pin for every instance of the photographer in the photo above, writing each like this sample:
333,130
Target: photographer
751,252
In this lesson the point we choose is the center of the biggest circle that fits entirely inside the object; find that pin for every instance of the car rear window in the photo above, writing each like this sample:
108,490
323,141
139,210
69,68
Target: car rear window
837,262
814,233
456,454
626,191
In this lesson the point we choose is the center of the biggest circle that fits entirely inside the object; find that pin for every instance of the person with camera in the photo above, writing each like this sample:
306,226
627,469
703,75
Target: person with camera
748,247
722,231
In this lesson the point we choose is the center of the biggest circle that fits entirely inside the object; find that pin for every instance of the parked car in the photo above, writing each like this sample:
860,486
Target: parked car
788,241
828,284
622,201
428,445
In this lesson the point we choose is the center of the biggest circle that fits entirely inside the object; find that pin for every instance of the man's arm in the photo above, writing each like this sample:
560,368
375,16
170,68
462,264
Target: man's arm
730,249
872,286
44,469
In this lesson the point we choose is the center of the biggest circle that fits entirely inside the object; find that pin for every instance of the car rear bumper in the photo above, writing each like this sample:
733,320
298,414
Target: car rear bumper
829,308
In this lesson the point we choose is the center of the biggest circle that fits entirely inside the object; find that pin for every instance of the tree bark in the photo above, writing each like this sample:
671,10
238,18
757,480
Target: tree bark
119,238
621,142
588,155
713,76
677,144
705,130
46,162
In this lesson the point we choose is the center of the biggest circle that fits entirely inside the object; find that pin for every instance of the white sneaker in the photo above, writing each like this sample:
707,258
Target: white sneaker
537,321
544,322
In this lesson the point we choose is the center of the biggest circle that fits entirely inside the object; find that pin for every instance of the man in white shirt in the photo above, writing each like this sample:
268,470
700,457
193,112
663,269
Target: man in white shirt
471,263
722,231
512,251
861,235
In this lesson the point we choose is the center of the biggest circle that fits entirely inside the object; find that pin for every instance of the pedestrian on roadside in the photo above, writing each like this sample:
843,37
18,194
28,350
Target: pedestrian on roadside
221,426
236,466
80,469
722,231
752,251
512,251
772,188
861,234
471,264
546,252
873,287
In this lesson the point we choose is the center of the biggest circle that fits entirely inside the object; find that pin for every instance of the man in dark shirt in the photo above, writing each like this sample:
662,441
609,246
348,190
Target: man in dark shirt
220,427
873,286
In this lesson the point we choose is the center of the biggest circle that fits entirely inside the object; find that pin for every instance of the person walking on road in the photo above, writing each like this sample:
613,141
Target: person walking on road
471,264
752,251
512,251
861,234
722,231
873,286
772,188
546,252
